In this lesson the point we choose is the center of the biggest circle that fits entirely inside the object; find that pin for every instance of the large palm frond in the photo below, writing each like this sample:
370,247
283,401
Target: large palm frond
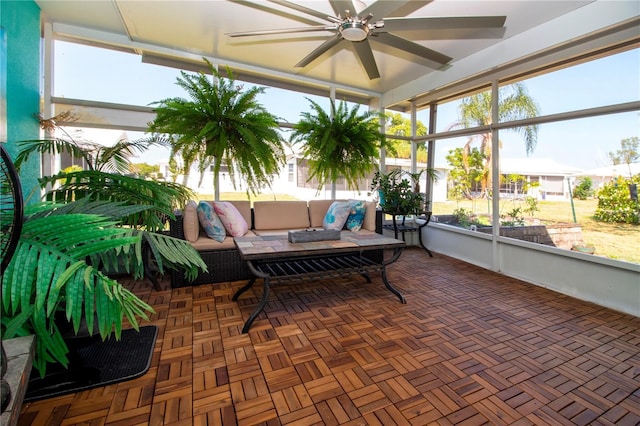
52,146
158,201
115,159
162,198
49,272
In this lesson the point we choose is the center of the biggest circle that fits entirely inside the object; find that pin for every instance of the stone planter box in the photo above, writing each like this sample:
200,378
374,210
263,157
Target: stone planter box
561,235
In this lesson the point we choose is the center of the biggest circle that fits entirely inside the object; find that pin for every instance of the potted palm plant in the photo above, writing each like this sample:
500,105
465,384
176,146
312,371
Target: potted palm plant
92,218
105,180
341,142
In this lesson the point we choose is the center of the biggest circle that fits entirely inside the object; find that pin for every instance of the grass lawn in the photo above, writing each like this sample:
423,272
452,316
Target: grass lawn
614,240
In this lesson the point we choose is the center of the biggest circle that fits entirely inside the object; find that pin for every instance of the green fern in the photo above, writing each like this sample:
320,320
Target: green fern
341,142
222,123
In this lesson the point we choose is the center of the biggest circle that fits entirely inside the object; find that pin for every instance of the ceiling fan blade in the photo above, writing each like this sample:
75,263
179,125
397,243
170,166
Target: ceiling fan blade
319,50
365,54
382,9
411,47
408,8
340,6
461,22
262,7
302,9
283,31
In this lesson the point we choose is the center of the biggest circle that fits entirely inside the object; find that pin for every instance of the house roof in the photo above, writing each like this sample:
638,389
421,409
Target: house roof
536,166
612,171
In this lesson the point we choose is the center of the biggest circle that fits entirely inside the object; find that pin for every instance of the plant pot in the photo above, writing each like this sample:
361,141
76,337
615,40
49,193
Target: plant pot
583,249
633,191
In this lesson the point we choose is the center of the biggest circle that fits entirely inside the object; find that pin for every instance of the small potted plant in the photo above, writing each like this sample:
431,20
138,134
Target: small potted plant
396,196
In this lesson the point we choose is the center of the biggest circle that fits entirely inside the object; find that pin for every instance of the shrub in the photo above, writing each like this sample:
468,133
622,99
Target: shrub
615,203
584,189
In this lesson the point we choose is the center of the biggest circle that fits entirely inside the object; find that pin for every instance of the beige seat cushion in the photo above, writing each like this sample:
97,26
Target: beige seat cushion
318,210
190,223
369,222
204,243
244,208
280,215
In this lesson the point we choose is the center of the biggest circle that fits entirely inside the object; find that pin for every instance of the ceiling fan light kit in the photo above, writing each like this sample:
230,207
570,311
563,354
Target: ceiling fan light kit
348,28
354,31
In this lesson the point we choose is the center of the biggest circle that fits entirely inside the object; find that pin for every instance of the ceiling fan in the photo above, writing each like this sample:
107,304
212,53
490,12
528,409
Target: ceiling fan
376,22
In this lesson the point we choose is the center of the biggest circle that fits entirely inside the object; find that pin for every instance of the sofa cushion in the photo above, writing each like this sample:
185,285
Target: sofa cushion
318,210
369,222
210,221
337,215
280,215
190,224
356,216
233,221
204,243
244,208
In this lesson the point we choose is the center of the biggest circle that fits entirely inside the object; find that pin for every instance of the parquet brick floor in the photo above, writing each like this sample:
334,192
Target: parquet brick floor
470,347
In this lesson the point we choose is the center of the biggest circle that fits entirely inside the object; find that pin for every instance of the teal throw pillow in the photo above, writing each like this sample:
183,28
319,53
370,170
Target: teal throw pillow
210,222
337,215
356,215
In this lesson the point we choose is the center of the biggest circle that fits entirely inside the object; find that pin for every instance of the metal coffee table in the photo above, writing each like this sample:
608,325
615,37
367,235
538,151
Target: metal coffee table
276,260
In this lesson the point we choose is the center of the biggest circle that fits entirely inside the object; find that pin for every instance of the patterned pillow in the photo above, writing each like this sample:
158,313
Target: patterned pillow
231,218
337,215
210,222
356,216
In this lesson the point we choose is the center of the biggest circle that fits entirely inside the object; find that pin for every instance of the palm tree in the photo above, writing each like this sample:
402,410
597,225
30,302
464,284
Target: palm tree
397,124
222,124
514,104
111,159
340,142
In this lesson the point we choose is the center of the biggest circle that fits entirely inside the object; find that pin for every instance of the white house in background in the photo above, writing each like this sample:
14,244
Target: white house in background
295,181
554,179
603,175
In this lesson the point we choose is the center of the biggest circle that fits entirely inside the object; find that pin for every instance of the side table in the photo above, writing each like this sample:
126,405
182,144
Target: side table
403,227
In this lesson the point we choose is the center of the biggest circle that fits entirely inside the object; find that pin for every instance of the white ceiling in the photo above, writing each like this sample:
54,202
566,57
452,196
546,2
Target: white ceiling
188,30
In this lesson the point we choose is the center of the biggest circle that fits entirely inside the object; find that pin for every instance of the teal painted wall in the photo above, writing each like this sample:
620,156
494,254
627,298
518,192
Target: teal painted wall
20,23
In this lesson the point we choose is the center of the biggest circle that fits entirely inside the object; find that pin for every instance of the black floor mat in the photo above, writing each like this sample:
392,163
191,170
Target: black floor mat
96,363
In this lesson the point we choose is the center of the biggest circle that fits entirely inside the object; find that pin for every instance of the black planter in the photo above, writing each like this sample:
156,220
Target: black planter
633,191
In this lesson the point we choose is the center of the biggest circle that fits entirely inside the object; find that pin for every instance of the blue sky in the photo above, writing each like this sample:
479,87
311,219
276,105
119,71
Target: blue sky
110,76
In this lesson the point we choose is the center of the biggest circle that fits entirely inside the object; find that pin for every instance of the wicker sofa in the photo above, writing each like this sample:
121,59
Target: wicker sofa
264,218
